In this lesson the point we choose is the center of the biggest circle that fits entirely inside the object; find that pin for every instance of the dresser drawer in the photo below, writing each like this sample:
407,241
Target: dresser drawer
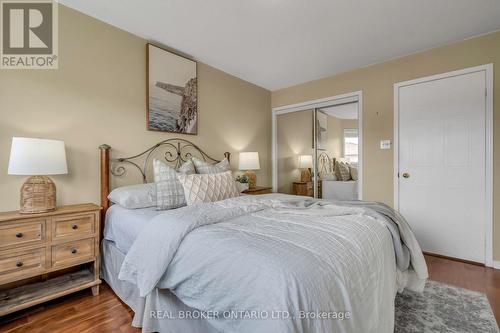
22,233
73,252
24,262
73,225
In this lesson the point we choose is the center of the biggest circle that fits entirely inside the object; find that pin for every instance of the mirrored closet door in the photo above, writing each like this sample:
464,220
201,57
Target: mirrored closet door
295,152
317,151
337,152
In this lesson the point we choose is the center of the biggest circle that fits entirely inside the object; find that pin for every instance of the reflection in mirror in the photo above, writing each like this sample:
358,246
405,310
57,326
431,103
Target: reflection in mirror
337,154
295,152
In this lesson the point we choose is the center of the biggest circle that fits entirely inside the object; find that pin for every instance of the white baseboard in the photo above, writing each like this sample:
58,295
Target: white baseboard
496,264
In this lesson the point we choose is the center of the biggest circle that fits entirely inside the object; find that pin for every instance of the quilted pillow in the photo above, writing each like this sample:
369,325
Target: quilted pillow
342,171
208,187
169,191
205,167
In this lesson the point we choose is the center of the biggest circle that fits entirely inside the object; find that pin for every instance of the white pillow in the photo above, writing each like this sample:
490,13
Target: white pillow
205,167
134,196
208,187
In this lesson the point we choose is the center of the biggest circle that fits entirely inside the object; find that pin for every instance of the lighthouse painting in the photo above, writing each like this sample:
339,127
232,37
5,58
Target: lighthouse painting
172,92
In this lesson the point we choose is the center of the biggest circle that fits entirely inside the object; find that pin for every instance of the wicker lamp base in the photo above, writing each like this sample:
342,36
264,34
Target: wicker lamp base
305,175
38,195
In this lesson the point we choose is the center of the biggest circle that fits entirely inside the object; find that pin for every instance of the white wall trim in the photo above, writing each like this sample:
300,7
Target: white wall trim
488,69
318,103
356,96
496,264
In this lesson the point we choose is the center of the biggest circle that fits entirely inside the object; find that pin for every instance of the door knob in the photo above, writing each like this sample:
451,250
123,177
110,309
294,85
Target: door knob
406,175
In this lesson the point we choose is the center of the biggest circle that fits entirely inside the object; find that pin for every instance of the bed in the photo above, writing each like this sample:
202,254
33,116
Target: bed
331,187
267,263
339,190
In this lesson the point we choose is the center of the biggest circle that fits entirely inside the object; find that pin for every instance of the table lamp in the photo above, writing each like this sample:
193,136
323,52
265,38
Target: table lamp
37,158
249,161
305,164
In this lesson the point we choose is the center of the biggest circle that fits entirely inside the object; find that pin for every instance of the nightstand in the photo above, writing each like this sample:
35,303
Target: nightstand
47,255
258,190
306,189
303,188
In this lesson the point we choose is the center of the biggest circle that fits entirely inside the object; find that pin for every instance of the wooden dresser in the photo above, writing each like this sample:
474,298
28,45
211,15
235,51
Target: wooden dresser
48,255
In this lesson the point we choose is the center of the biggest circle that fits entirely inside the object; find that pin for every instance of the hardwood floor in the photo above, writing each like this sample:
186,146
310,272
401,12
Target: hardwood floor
82,312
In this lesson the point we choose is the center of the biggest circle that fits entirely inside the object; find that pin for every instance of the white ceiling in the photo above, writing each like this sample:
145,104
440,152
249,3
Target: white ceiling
343,111
279,43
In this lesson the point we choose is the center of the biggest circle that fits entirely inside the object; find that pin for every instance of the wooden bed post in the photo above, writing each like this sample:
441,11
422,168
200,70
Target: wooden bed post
104,170
227,155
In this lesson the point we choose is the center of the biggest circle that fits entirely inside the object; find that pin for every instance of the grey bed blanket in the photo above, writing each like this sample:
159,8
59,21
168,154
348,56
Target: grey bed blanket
280,253
392,219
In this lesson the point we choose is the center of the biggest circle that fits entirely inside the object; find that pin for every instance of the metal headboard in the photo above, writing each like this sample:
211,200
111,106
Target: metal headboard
175,151
325,163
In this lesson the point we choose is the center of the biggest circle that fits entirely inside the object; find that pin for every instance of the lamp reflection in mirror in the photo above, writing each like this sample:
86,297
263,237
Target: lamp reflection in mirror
37,158
249,161
305,165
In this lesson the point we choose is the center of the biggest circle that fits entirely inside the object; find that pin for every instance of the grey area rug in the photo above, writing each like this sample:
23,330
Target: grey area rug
444,308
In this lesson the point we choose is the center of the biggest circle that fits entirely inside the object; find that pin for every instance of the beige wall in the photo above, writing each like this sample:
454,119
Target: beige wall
98,96
294,137
377,83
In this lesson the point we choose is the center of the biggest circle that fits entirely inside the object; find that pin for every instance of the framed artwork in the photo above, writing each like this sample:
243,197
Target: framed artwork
172,92
321,130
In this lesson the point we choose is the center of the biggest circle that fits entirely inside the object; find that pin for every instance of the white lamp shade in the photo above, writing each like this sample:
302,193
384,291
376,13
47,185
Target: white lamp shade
249,161
37,157
305,161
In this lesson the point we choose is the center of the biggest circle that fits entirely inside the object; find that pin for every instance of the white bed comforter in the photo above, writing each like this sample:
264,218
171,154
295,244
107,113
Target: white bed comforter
255,265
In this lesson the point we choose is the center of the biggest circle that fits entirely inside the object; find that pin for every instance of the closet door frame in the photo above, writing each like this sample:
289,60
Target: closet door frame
356,96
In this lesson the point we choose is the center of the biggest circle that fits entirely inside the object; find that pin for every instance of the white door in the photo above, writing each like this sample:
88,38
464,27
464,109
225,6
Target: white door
442,168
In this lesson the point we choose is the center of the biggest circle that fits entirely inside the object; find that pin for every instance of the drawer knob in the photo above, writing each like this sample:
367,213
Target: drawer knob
74,226
19,264
19,235
74,251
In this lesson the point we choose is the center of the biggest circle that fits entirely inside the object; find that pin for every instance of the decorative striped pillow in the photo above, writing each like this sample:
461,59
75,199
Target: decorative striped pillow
187,167
205,167
169,191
